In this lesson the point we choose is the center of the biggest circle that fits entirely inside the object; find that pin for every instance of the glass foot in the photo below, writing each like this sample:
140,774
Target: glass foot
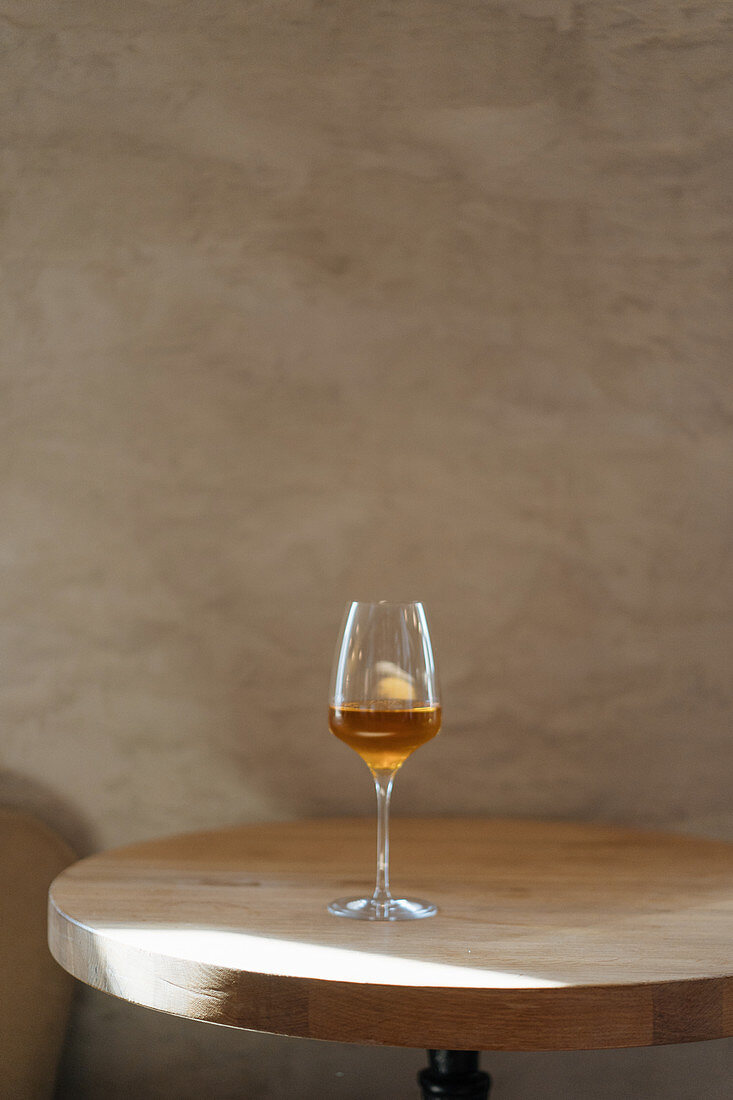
395,909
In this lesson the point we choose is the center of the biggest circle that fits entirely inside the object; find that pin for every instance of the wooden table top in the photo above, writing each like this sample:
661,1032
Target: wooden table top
549,936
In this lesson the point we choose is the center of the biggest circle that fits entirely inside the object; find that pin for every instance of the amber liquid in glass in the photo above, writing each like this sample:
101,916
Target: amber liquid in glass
384,736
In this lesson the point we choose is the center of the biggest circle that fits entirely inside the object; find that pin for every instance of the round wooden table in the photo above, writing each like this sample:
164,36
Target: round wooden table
549,936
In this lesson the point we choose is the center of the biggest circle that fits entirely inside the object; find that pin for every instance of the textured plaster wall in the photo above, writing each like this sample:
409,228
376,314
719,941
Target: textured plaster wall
306,301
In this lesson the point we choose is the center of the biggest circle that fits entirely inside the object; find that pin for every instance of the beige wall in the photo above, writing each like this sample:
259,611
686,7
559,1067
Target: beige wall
308,301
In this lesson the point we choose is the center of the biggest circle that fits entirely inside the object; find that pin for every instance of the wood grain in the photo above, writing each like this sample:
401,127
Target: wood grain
550,936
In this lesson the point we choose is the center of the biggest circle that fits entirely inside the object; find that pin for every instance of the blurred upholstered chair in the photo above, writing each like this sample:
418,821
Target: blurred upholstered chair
35,993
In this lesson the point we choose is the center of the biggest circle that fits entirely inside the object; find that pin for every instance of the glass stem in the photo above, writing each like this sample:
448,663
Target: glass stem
383,781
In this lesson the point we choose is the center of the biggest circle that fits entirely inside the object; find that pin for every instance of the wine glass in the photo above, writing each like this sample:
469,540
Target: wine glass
384,703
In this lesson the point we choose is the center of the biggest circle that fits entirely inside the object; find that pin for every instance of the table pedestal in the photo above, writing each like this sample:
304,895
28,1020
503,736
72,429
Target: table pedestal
454,1075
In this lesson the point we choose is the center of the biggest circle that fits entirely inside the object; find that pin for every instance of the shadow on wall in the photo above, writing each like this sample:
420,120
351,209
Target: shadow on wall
17,792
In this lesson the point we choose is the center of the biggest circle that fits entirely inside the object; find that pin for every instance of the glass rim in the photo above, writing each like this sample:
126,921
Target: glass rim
384,603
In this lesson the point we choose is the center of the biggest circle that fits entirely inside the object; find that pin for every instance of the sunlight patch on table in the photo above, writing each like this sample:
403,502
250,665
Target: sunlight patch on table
261,954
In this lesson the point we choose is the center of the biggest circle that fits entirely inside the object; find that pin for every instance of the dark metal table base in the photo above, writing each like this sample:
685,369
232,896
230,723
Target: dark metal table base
454,1075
